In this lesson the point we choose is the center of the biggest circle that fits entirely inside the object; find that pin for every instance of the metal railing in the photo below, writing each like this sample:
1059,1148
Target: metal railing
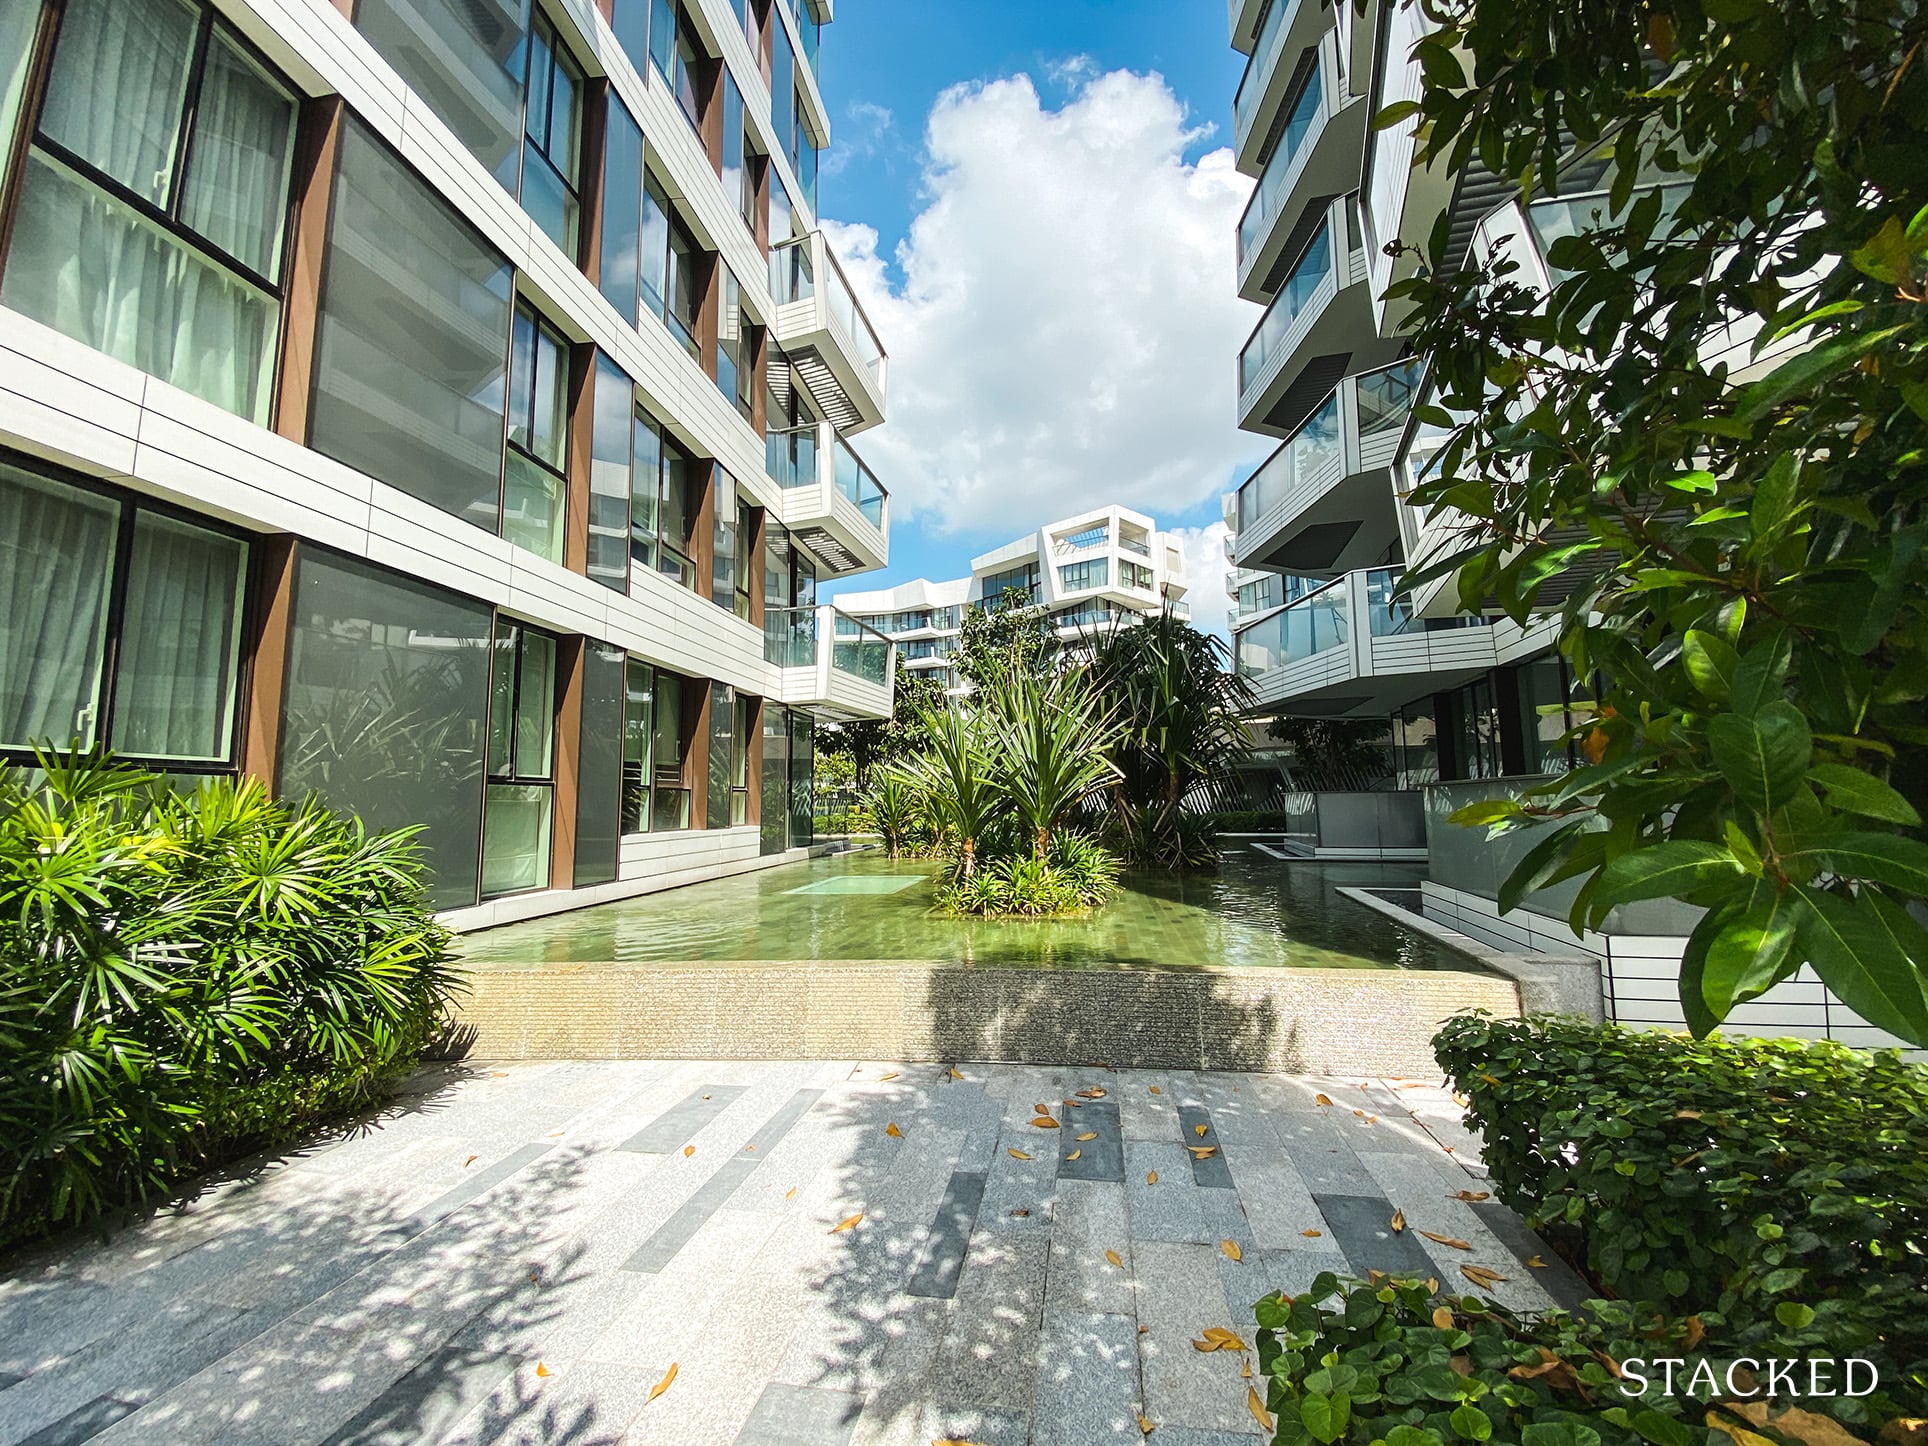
1265,55
1271,191
1293,298
790,637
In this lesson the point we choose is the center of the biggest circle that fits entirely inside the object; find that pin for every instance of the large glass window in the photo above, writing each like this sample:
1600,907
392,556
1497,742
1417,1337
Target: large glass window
729,764
519,808
729,542
467,61
631,24
735,170
19,23
552,138
681,504
1544,717
1092,572
639,738
612,454
150,665
735,349
533,489
152,212
387,692
672,725
413,338
774,835
783,98
1023,577
683,277
599,766
620,274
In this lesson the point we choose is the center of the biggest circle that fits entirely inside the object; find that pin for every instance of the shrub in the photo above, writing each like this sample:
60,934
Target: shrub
1392,1362
185,977
1781,1185
1079,875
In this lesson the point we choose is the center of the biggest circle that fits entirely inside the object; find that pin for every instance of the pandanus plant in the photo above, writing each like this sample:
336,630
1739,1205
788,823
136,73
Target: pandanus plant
1054,743
957,776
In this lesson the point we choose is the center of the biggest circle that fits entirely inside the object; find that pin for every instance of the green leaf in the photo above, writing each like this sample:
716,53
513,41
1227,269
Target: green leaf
1764,757
1751,954
1416,1436
1326,1417
1664,870
1393,114
1808,370
1710,662
1486,811
1884,858
1833,308
1693,968
1536,867
1774,497
1862,952
1470,1422
1852,791
1888,255
1762,673
1794,1315
1692,482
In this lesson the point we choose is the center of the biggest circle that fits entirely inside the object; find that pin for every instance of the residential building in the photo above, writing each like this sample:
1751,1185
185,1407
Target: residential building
1104,568
1457,704
445,407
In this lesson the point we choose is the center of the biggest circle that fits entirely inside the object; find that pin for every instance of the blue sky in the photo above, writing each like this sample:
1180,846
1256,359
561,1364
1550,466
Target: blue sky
885,65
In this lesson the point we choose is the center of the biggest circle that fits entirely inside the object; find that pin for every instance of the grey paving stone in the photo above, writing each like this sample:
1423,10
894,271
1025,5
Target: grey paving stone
1323,1157
484,1180
1186,1436
1195,1130
943,1421
1091,1218
1168,1210
1180,1294
1142,1114
1012,1184
1290,1272
1429,1207
942,1257
989,1355
430,1400
801,1416
1102,1158
581,1403
1278,1206
1087,1388
676,1126
83,1423
1362,1228
1554,1276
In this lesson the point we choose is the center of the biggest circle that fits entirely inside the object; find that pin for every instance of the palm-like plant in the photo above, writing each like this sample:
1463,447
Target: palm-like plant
956,774
1054,744
894,804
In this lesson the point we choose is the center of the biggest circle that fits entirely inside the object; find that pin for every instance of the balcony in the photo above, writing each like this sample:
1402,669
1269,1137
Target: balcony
1243,17
826,335
1287,31
1315,159
831,502
838,668
1353,649
1317,330
1323,503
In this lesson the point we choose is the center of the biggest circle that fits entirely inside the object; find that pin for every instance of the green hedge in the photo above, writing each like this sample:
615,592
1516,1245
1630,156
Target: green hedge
186,977
1779,1188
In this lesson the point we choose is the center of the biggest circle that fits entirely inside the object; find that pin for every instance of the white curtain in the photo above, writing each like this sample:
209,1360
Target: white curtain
175,678
119,85
237,173
56,554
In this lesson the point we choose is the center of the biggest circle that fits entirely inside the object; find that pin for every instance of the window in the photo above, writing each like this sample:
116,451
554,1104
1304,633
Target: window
154,199
552,138
1135,575
672,50
631,24
519,806
639,730
645,487
805,158
735,167
727,538
1024,578
620,275
774,836
735,349
675,699
729,764
1475,732
142,653
1544,716
672,269
782,215
783,98
412,339
612,457
599,766
468,62
1093,572
387,690
533,488
666,498
19,22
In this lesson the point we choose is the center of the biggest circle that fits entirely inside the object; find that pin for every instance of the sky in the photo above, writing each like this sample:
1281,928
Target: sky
1036,203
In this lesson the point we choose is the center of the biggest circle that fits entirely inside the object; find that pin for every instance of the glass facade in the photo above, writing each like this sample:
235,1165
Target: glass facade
1023,577
1092,572
534,491
612,455
467,61
619,274
599,765
678,703
735,349
639,739
519,808
552,139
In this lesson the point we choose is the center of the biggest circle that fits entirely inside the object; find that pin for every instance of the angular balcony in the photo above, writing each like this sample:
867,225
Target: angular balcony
1288,29
1317,330
826,335
1323,503
838,668
831,503
1243,17
1315,159
1353,649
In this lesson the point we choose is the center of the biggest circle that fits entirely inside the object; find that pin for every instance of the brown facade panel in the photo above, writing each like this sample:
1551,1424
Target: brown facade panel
313,183
269,622
568,784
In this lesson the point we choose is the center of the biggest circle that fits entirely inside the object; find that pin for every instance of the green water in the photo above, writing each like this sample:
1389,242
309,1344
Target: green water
1257,911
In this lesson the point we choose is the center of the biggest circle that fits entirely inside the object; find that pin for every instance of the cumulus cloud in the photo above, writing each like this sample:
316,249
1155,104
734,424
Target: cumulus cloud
1065,331
1205,569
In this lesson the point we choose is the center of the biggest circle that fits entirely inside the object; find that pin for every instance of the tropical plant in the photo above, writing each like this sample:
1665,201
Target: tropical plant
868,742
956,777
1009,637
185,976
1180,716
1052,744
1741,533
896,805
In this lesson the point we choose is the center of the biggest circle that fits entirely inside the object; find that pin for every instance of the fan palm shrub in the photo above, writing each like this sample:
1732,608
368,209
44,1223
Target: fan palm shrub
895,807
1053,746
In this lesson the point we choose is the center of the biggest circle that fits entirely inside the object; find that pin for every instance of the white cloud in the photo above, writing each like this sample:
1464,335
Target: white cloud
1205,569
1067,326
868,126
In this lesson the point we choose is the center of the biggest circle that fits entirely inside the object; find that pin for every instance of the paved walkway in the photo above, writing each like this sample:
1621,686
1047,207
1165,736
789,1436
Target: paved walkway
524,1253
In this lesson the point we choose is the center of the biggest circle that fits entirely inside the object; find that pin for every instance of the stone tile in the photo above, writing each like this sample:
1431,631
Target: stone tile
988,1358
1100,1158
1278,1207
83,1423
942,1257
430,1400
1012,1184
1170,1209
1563,1285
1091,1218
1087,1386
1288,1271
1324,1157
1142,1114
583,1403
1362,1228
1413,1186
1179,1294
801,1416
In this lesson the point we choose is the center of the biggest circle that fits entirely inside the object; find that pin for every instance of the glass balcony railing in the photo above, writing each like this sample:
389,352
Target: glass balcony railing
790,456
1303,629
1293,298
805,268
1386,396
859,651
1134,544
1559,216
1265,55
855,481
790,637
1304,453
1272,190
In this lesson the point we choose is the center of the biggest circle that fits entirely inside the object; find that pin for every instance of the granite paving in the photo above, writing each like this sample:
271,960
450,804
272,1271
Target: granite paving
837,1252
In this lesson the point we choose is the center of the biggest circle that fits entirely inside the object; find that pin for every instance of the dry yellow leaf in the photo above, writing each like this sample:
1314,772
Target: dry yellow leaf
886,1078
1093,1093
1312,1234
1021,1214
1152,1178
1041,1109
1536,1262
955,1074
1472,1195
1245,1371
1257,1408
850,1224
1073,1155
892,1130
1432,1285
1087,1135
1230,1247
470,1161
1016,1154
1115,1259
1372,1119
791,1193
542,1370
688,1150
1398,1221
669,1379
1457,1244
1146,1425
1480,1275
1204,1345
1226,1340
1199,1130
953,1441
1443,1318
1156,1090
1202,1152
1321,1099
1737,1432
1144,1330
1044,1122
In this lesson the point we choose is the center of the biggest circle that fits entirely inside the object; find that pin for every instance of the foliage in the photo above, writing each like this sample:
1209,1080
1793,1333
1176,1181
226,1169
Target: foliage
895,804
1009,638
1251,820
1390,1361
868,742
1054,745
1077,875
1181,712
1334,753
185,977
1745,527
1779,1184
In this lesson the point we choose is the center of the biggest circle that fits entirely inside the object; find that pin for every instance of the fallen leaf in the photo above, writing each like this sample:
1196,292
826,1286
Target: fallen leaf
470,1161
1740,1435
1144,1330
791,1193
705,1096
1074,1104
1231,1250
1021,1213
1087,1135
669,1379
542,1370
1156,1090
1696,1332
1199,1130
1075,1154
1446,1240
1442,1318
886,1078
892,1130
1321,1100
1227,1340
1245,1372
1471,1195
1257,1408
688,1150
1372,1119
553,1134
955,1074
850,1224
1398,1221
1373,1277
1360,1113
1152,1178
1447,1148
1044,1122
1041,1109
1016,1154
1312,1234
1092,1093
1202,1152
1204,1344
1432,1285
749,1149
1686,1114
1115,1259
954,1441
1145,1425
1480,1275
1536,1262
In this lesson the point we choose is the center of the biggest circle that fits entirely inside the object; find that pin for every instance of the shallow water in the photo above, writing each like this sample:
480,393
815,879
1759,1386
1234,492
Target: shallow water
1255,912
